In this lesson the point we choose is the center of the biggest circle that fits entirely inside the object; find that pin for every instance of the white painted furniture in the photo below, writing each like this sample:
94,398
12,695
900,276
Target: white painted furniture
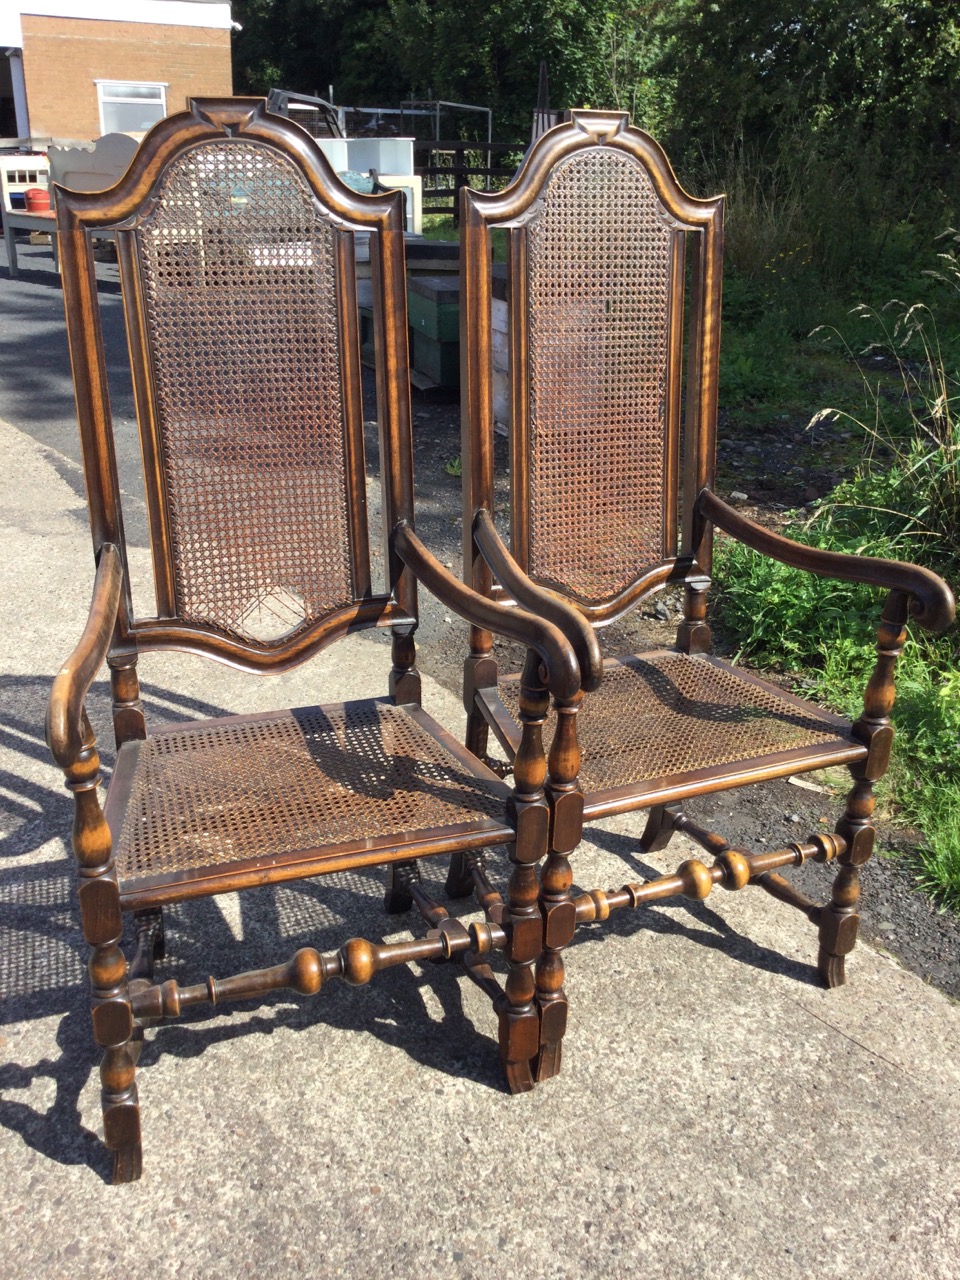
81,167
17,175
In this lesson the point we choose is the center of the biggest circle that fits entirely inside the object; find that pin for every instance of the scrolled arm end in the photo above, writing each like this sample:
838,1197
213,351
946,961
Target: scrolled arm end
537,599
932,604
539,634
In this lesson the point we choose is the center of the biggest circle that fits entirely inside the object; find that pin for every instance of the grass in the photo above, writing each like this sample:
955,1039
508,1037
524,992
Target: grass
899,392
903,502
440,226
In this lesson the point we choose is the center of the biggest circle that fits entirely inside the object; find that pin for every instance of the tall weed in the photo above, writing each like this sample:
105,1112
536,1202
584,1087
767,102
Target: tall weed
903,502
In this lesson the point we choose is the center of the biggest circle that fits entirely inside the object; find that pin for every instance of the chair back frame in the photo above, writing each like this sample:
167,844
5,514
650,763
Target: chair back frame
602,140
206,135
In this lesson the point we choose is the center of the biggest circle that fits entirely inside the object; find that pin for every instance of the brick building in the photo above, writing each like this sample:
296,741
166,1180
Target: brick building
80,68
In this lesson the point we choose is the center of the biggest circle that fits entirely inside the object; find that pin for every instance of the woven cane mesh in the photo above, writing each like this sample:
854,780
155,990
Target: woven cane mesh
297,781
671,714
239,274
599,258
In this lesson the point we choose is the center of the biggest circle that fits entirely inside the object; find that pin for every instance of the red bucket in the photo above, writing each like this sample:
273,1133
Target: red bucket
38,200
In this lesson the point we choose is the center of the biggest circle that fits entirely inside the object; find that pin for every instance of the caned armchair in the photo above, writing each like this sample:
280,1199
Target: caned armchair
235,244
614,277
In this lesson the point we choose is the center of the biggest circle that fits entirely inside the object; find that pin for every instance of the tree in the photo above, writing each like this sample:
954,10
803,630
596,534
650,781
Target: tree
307,45
377,52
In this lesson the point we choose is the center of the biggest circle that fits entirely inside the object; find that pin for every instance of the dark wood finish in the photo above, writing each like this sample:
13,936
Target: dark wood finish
610,263
356,962
231,222
839,921
930,601
519,1017
556,905
694,879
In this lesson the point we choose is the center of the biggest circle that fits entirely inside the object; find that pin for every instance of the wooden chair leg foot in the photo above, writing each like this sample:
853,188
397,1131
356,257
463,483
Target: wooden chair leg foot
519,1047
659,828
121,1132
553,1027
838,937
548,1061
127,1164
398,899
832,969
459,880
520,1077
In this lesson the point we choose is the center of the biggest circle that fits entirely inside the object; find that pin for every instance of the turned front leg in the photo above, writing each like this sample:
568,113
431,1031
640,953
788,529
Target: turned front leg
840,921
519,1016
556,905
113,1025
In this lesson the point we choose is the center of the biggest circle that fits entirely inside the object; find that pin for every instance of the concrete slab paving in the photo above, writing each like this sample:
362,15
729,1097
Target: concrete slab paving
717,1114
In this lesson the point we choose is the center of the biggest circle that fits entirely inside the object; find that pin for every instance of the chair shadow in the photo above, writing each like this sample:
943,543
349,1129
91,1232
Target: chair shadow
400,1007
707,928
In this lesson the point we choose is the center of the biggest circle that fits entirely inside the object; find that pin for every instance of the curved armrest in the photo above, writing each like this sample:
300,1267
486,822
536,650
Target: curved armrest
931,606
65,710
543,603
546,639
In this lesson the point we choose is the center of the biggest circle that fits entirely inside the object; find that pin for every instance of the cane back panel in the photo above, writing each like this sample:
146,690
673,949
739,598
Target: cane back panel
600,268
235,242
239,282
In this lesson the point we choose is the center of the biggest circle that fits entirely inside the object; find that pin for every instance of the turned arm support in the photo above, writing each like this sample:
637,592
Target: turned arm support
539,634
65,714
543,603
931,601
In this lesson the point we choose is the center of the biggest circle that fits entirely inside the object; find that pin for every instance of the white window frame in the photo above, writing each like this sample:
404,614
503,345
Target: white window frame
112,98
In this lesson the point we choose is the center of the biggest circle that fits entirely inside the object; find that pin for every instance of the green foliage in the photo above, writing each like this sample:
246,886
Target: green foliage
906,494
440,226
832,126
783,616
904,503
759,364
630,76
490,53
378,52
885,70
306,45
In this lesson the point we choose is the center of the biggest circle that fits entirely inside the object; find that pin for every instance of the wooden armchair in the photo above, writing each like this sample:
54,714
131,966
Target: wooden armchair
236,254
614,334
